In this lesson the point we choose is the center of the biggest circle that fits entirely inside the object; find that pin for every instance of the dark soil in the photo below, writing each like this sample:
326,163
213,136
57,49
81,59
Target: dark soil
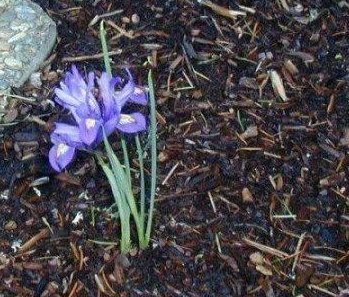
253,195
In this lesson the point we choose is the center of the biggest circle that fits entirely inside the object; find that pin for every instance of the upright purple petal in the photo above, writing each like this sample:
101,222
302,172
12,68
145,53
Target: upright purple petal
76,83
106,89
121,97
131,123
90,108
74,91
66,99
90,81
60,156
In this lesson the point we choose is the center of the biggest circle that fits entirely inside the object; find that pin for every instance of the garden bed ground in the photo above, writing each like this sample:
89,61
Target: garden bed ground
253,195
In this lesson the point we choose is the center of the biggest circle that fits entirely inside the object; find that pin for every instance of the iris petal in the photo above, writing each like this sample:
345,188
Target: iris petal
89,129
60,156
106,93
110,126
66,99
139,96
74,91
131,123
62,128
123,95
90,80
69,133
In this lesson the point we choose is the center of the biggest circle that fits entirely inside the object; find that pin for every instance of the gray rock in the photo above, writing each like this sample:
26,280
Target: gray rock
27,35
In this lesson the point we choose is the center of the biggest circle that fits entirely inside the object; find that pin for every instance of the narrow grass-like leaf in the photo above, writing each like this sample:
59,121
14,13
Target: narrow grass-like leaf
119,174
122,205
153,155
103,37
126,159
124,185
141,177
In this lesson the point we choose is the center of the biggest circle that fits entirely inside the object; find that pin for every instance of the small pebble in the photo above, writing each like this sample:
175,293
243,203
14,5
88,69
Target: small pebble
106,257
195,32
125,20
51,76
35,79
135,18
133,252
247,196
10,225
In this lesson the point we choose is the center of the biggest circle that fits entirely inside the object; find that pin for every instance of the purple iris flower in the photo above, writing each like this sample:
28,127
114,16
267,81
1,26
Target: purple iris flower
93,113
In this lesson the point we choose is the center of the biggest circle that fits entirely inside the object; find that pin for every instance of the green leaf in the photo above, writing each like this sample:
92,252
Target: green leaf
122,206
103,37
153,152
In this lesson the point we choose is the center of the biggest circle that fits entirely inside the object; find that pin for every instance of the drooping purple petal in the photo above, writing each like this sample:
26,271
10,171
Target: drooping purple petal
89,128
89,120
60,156
131,123
139,96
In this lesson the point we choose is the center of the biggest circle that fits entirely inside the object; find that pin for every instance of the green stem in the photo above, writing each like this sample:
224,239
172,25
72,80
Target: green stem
126,159
141,177
153,156
120,200
103,35
125,242
126,187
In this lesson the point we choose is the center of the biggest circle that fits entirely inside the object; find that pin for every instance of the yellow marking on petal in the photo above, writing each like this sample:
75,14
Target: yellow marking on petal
90,123
126,119
62,149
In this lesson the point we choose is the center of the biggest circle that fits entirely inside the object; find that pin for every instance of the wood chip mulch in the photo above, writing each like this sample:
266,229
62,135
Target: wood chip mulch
253,118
